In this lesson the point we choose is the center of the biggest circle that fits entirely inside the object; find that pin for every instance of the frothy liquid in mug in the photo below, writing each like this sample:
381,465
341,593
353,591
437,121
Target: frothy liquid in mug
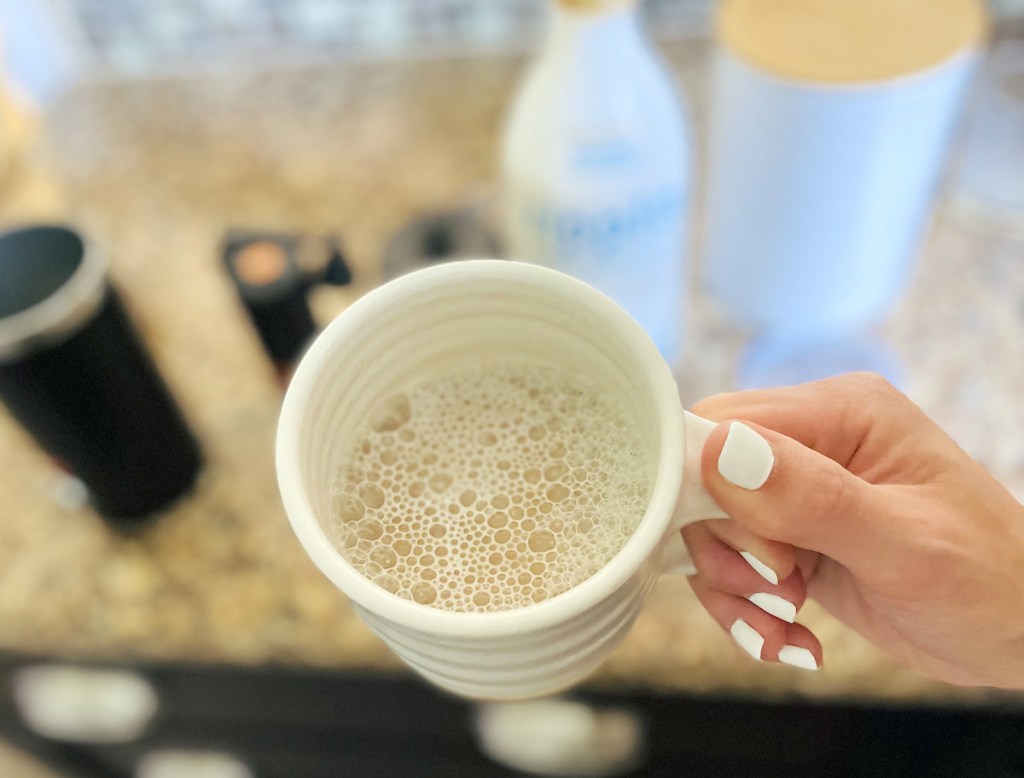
491,488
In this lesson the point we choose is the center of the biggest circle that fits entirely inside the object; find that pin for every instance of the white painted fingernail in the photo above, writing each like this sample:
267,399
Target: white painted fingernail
798,656
746,459
777,606
750,639
763,570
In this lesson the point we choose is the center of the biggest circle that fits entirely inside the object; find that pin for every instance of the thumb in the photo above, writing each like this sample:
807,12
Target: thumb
782,490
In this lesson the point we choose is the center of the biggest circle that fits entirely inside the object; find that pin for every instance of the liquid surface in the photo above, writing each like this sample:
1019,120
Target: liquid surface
491,488
849,40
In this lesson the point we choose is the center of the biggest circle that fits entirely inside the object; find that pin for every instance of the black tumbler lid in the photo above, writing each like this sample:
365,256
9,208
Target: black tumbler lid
51,283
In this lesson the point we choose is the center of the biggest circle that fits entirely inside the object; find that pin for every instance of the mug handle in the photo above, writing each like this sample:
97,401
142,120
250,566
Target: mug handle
694,503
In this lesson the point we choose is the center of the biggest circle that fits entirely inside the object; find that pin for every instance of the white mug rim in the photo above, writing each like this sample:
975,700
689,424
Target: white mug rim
367,595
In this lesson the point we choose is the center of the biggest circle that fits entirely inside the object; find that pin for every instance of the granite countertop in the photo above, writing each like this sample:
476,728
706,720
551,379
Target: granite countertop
156,172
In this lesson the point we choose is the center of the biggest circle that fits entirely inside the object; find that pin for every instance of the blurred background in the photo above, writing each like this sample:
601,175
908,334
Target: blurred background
247,168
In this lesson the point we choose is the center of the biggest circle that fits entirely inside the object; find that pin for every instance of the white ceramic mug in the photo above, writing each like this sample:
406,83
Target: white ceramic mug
467,311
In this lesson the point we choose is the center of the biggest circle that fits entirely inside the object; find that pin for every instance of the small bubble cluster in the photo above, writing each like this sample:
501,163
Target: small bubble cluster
491,488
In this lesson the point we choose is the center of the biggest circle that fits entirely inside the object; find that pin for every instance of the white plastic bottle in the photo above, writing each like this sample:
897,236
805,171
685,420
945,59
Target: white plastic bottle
596,165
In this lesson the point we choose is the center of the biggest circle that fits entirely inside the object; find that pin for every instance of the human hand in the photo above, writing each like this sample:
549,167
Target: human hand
845,491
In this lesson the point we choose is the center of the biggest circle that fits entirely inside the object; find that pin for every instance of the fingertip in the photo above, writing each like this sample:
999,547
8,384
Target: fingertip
773,561
774,605
801,649
762,569
747,638
746,459
758,632
736,455
799,656
722,568
783,491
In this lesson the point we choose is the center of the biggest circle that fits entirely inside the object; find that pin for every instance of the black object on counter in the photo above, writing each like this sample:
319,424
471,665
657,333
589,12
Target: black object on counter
441,237
76,375
273,274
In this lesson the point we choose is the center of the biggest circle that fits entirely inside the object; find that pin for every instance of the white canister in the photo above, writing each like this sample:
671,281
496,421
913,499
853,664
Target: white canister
825,158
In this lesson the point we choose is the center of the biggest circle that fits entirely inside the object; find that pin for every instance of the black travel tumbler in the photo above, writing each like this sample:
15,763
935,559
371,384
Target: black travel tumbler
75,374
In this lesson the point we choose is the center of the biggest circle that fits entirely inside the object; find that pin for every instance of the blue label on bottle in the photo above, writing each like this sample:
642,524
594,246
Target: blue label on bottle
598,237
632,252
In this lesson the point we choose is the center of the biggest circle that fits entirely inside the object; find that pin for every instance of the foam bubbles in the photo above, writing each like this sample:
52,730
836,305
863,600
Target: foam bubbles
491,488
390,414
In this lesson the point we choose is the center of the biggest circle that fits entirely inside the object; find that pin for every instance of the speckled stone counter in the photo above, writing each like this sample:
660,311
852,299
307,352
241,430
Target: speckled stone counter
156,172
